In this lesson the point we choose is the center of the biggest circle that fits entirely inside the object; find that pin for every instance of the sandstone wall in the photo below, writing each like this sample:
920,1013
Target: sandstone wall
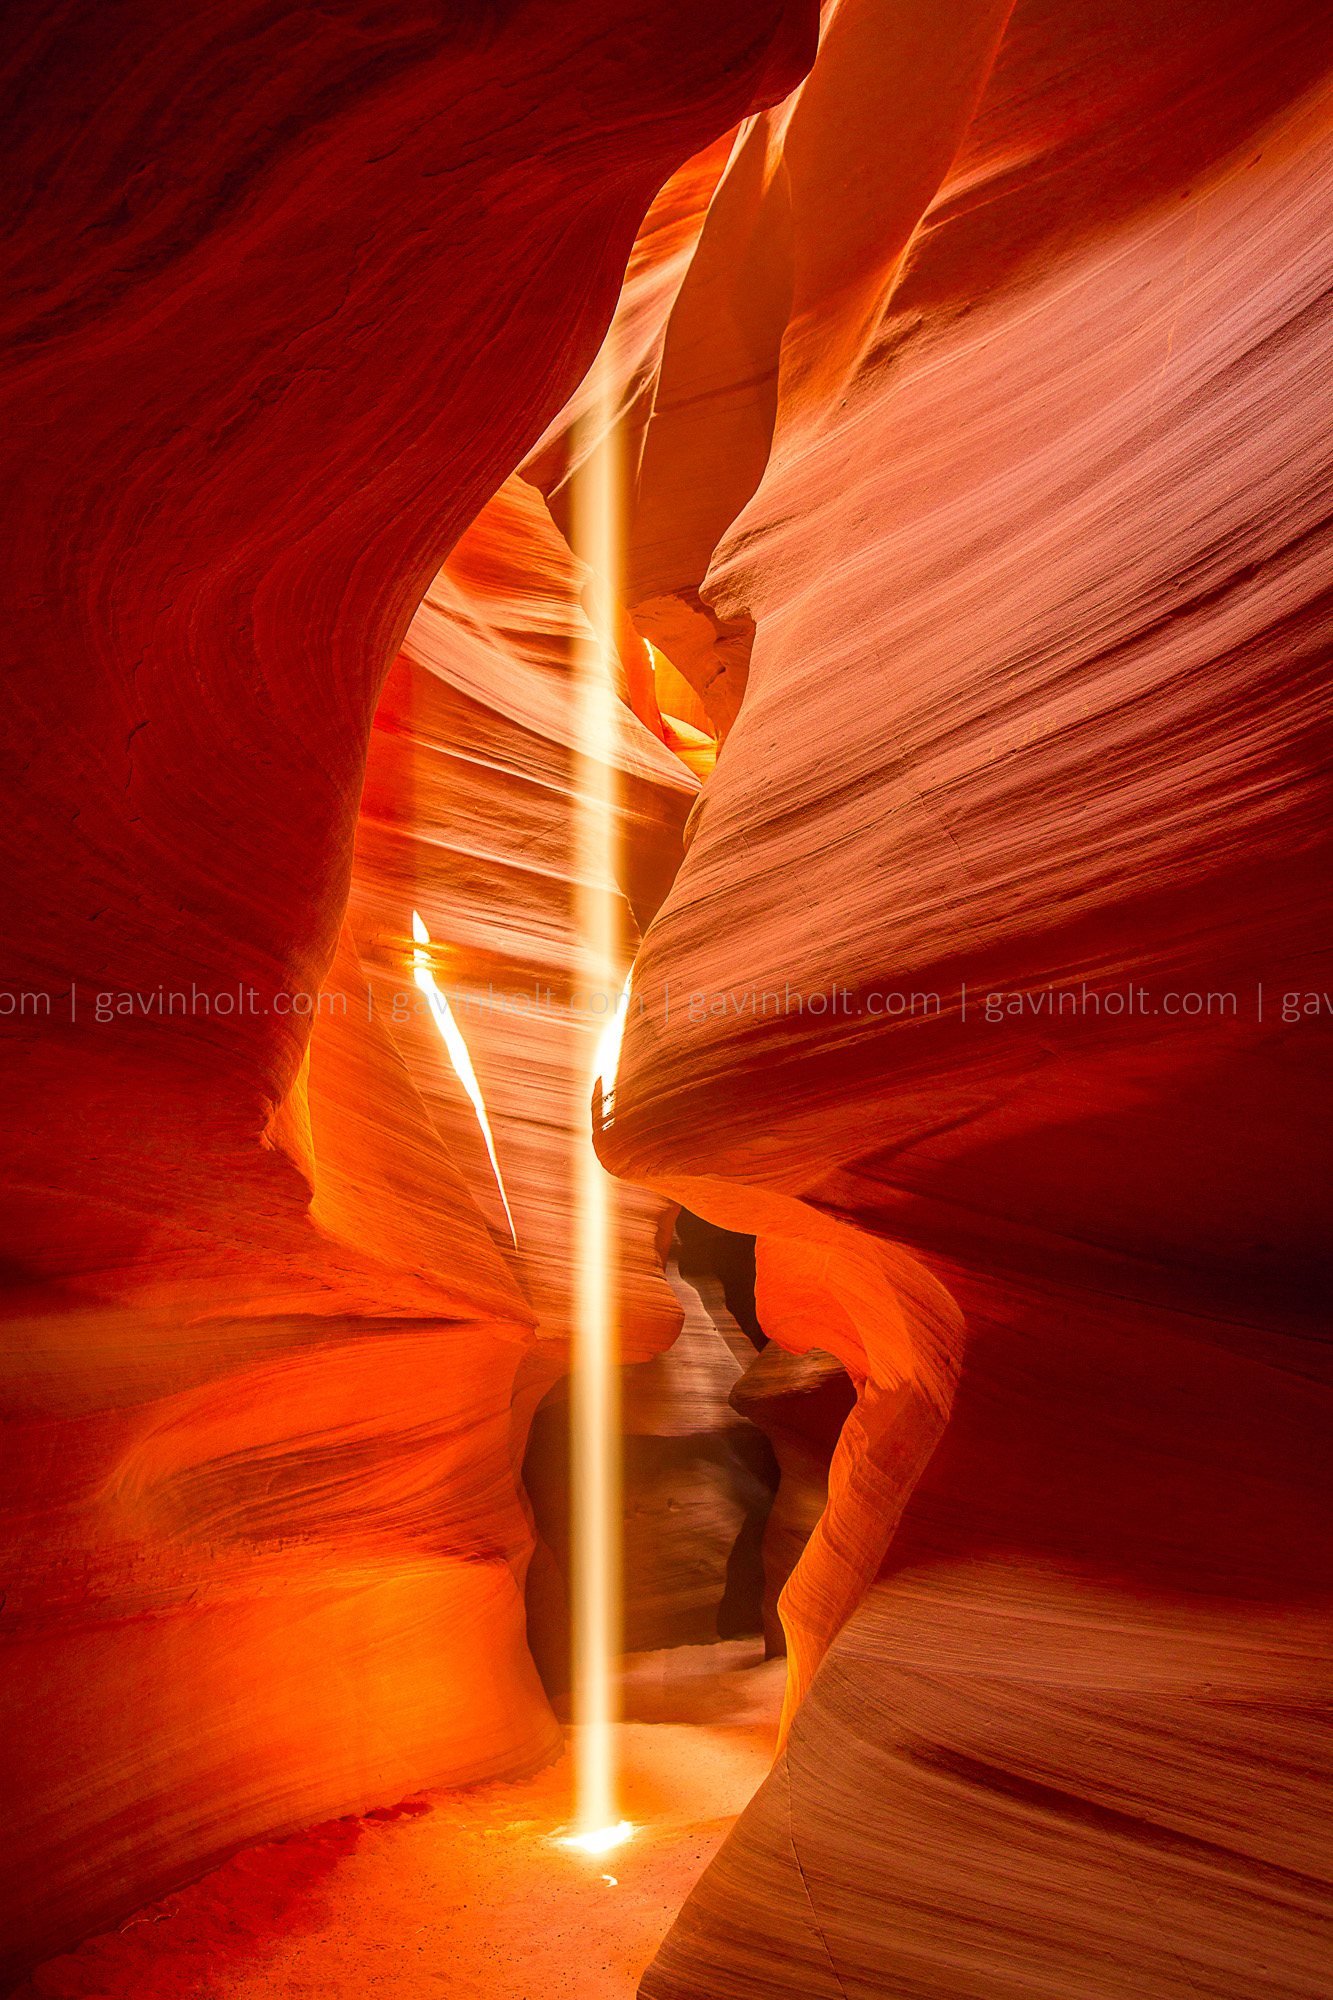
291,294
1037,570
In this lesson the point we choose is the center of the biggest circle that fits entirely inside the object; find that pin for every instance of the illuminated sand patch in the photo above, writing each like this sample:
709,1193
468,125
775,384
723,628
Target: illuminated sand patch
473,1893
602,1840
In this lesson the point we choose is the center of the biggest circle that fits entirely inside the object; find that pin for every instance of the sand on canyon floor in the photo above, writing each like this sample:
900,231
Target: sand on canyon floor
468,1893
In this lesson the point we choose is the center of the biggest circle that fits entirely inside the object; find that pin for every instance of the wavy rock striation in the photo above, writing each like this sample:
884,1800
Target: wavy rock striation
291,294
1007,902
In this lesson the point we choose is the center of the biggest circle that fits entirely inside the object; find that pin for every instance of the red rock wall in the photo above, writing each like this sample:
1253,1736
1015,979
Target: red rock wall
1039,570
983,503
291,293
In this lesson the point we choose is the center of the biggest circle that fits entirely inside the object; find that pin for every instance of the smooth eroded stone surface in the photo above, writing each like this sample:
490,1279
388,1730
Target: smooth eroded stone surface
1005,1781
1000,938
291,293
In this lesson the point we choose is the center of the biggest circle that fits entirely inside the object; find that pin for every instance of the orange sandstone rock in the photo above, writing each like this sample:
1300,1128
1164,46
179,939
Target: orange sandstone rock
1034,713
291,293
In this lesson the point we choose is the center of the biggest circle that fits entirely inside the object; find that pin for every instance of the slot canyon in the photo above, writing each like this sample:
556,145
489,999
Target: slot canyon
669,685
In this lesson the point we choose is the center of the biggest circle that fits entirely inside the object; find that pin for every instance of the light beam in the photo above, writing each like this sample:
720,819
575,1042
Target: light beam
595,1388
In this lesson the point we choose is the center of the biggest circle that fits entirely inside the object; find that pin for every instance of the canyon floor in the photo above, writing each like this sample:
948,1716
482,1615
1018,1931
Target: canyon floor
468,1893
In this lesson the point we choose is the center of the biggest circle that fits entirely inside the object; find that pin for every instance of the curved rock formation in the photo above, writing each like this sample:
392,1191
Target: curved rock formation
800,1402
978,613
1006,902
292,292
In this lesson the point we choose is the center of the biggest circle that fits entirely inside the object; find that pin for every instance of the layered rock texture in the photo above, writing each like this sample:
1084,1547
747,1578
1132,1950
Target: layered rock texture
973,823
291,294
1008,904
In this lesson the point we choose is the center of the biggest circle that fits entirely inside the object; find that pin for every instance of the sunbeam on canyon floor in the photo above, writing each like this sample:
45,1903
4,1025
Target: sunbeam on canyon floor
476,1894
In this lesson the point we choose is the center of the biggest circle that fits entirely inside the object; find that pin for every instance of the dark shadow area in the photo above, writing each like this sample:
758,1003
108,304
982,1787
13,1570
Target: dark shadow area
697,1497
705,1250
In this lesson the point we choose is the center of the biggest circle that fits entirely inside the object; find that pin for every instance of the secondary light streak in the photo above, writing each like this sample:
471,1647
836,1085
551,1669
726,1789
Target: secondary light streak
458,1055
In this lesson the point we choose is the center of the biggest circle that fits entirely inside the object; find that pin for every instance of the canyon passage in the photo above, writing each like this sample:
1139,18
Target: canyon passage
665,1000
